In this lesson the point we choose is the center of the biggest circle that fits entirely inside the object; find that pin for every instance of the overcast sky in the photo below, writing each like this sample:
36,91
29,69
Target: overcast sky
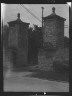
10,13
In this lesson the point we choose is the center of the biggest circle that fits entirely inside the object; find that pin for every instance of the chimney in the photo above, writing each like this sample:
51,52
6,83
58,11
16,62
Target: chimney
18,15
53,10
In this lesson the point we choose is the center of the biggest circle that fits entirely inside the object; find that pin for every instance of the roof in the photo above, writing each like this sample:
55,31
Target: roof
18,21
54,16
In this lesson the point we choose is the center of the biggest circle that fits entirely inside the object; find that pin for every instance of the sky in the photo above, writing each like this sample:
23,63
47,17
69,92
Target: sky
9,13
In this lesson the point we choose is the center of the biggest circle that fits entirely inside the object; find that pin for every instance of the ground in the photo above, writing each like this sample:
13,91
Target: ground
23,82
31,80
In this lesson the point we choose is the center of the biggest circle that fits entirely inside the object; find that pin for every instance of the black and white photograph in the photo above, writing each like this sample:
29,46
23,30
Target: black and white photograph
35,47
48,95
44,95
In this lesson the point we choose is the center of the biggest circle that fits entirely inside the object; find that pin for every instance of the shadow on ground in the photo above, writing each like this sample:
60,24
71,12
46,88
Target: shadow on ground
54,76
48,75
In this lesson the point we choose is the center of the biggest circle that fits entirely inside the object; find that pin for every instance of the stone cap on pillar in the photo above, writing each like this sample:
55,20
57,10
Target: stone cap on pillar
54,16
18,15
53,10
18,21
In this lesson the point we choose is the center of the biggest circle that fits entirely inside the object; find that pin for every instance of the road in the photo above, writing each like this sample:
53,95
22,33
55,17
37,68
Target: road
22,82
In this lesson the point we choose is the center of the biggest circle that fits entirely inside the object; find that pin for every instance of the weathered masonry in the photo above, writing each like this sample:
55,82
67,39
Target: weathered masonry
18,42
53,31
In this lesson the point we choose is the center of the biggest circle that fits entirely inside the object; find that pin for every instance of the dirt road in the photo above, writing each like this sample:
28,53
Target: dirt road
22,82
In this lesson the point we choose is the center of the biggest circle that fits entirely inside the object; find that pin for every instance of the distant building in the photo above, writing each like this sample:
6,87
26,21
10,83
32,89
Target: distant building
53,31
18,42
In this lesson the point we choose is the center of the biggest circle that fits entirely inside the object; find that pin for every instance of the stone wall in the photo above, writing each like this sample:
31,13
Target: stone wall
13,36
22,55
50,30
23,37
53,33
18,40
21,60
45,60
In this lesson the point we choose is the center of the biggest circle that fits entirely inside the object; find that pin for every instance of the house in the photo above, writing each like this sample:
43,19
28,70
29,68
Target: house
18,42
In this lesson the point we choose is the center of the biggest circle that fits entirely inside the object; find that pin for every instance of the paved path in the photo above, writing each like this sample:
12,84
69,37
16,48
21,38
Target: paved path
21,82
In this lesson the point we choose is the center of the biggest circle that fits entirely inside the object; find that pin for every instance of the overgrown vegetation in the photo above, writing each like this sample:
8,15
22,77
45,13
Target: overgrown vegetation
61,60
66,42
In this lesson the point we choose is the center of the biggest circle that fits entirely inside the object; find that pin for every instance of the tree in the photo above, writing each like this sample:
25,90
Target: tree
66,41
30,31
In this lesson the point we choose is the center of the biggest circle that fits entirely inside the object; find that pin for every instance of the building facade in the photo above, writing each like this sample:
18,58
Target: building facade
53,31
18,42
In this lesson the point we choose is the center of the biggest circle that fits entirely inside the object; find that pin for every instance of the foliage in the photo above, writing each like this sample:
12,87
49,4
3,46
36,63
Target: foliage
30,31
66,41
61,59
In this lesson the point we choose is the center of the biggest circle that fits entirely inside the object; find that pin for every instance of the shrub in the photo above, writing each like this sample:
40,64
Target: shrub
61,60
